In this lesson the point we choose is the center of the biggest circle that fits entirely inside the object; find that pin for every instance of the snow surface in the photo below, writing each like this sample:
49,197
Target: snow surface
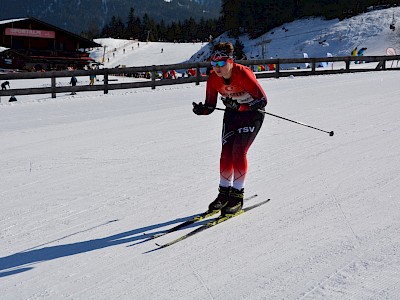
132,53
84,178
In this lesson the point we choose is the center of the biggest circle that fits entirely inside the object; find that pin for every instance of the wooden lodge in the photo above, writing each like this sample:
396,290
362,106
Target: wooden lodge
33,45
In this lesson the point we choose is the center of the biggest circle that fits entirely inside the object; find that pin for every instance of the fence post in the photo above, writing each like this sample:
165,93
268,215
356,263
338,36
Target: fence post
277,68
383,64
106,81
198,74
153,78
313,63
53,87
347,64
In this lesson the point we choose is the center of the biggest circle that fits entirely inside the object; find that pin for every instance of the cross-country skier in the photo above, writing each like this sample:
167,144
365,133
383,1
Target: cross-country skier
243,97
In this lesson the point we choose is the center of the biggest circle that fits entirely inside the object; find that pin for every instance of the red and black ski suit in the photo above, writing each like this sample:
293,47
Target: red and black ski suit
241,125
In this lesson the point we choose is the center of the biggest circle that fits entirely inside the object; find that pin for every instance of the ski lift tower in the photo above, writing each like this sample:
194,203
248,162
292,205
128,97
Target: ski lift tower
148,35
263,43
392,25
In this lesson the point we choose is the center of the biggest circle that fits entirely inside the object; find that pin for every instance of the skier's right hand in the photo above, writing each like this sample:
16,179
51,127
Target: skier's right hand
198,108
201,109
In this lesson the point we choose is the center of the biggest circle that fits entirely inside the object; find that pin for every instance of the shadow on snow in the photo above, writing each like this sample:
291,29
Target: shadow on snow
22,261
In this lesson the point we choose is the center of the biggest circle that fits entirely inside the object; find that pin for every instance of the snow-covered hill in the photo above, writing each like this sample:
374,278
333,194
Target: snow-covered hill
314,36
317,37
84,178
132,53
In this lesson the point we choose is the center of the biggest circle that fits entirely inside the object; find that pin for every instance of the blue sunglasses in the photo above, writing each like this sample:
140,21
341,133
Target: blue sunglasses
220,63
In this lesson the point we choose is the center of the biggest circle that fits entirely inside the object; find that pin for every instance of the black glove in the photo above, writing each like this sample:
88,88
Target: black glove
230,103
198,109
257,104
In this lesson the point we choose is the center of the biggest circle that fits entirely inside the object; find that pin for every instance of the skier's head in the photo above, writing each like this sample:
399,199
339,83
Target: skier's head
222,59
222,52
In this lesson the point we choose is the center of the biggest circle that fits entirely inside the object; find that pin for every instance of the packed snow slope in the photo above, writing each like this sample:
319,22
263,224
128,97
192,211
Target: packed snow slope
85,179
131,53
313,36
317,37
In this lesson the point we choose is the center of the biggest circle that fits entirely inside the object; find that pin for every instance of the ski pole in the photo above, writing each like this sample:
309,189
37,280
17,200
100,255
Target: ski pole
331,133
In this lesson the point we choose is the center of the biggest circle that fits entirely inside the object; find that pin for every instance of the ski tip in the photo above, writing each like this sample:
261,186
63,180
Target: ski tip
150,251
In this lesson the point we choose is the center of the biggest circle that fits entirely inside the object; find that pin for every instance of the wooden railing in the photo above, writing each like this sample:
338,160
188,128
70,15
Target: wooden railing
284,67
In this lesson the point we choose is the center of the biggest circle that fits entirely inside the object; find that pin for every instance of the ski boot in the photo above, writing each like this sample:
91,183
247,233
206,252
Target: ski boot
221,200
235,202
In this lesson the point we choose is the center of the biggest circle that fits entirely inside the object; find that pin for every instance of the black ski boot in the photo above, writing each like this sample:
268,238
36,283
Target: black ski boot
221,200
235,202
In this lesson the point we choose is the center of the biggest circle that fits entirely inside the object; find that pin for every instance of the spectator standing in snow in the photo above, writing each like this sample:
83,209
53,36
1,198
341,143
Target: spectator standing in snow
191,72
173,74
92,78
354,52
271,67
165,74
73,82
361,53
4,85
261,68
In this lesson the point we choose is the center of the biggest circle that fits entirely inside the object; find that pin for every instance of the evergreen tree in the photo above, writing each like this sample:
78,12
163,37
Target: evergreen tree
238,46
115,29
149,26
92,32
133,27
175,32
162,31
189,30
231,10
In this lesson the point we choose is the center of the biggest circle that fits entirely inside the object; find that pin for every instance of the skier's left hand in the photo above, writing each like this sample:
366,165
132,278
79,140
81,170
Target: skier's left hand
257,104
230,103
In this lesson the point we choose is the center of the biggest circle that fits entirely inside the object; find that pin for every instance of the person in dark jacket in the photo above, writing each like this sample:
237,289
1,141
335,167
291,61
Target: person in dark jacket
73,82
4,85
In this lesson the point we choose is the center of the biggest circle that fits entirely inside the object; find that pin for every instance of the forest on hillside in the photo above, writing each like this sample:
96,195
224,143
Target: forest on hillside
252,17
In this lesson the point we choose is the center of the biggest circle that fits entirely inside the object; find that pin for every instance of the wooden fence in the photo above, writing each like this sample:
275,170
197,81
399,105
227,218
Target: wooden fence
284,68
